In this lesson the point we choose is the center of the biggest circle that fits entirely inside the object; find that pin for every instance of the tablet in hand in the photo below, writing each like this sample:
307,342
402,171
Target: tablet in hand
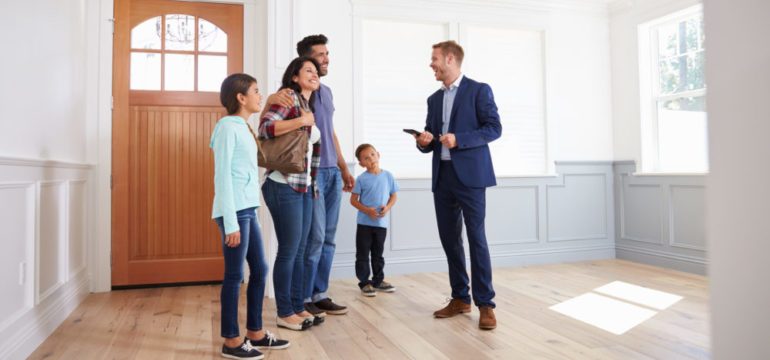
412,131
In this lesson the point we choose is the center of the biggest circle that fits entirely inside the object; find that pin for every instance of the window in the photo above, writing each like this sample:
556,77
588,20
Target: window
178,52
511,62
396,82
673,93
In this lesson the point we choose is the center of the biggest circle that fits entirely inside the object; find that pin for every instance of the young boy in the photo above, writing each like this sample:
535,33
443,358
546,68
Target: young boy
373,195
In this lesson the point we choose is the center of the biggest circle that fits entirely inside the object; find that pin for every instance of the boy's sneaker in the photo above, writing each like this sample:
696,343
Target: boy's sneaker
244,351
330,307
368,290
385,287
269,342
311,308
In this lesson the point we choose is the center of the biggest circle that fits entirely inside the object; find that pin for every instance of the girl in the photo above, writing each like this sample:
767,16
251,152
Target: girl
236,197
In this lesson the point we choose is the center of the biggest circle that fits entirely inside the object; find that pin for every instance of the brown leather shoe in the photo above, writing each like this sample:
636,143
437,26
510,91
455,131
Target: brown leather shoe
487,320
455,306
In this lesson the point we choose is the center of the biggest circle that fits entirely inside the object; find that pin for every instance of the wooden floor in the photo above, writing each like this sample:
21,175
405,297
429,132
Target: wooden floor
183,322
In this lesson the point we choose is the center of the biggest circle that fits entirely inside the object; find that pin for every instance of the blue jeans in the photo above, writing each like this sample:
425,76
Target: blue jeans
252,250
320,245
291,212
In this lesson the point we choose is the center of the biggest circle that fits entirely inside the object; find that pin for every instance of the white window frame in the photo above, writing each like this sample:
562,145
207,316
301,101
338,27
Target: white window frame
649,86
455,23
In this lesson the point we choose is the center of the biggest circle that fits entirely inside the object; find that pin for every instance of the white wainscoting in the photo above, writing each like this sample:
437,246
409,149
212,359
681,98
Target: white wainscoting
530,220
660,219
43,267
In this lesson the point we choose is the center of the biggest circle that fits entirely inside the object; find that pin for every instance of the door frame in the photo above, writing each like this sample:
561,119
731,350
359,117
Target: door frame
255,14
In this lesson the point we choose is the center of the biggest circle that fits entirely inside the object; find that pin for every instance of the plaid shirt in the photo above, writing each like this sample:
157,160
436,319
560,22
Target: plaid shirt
298,182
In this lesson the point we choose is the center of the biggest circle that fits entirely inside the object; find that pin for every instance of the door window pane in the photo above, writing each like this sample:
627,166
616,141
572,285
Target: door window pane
211,38
146,35
180,33
145,71
180,37
179,72
212,70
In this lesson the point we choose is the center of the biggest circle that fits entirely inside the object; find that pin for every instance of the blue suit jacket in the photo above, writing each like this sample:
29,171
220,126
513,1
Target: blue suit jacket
474,122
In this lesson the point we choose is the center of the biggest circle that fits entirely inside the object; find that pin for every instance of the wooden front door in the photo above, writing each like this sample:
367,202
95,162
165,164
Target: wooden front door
169,59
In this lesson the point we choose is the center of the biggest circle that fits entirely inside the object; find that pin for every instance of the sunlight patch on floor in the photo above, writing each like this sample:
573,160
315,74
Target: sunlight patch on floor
616,307
640,295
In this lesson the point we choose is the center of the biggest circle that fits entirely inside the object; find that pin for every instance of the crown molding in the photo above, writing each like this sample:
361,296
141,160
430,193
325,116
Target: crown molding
618,6
599,7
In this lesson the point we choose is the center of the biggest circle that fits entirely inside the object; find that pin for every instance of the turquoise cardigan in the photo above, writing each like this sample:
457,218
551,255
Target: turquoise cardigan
236,178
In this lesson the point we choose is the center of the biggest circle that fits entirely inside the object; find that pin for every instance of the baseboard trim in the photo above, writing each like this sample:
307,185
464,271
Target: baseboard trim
436,263
664,259
39,322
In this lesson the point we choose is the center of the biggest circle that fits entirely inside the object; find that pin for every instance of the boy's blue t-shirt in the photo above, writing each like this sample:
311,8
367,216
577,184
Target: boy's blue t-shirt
374,190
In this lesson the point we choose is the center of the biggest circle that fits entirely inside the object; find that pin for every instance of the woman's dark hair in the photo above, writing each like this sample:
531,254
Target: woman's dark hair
305,46
232,86
293,70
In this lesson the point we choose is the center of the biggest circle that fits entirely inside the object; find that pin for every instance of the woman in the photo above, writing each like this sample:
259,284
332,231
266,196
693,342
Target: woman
236,196
287,195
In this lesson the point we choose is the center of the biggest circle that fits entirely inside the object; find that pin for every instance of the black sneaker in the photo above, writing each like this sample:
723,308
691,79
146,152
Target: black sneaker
269,342
317,320
244,351
385,287
330,307
368,290
311,308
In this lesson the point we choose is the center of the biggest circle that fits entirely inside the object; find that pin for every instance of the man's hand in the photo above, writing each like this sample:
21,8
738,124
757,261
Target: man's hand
307,118
448,140
282,97
233,239
424,139
348,181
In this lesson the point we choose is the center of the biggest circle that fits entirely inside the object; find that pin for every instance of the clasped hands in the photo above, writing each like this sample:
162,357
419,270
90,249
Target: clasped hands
377,212
425,138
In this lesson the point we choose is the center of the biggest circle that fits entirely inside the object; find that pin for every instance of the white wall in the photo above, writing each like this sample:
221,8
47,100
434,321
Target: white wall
43,88
333,19
579,106
738,196
624,47
48,137
577,61
552,217
45,230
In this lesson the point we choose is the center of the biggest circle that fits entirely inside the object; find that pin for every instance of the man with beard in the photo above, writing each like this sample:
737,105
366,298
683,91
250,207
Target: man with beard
332,178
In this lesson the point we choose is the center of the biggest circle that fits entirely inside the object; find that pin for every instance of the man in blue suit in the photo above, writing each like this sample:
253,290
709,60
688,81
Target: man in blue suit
462,120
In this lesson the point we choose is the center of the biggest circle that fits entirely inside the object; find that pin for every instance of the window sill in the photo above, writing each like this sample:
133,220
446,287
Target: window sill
643,174
549,175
